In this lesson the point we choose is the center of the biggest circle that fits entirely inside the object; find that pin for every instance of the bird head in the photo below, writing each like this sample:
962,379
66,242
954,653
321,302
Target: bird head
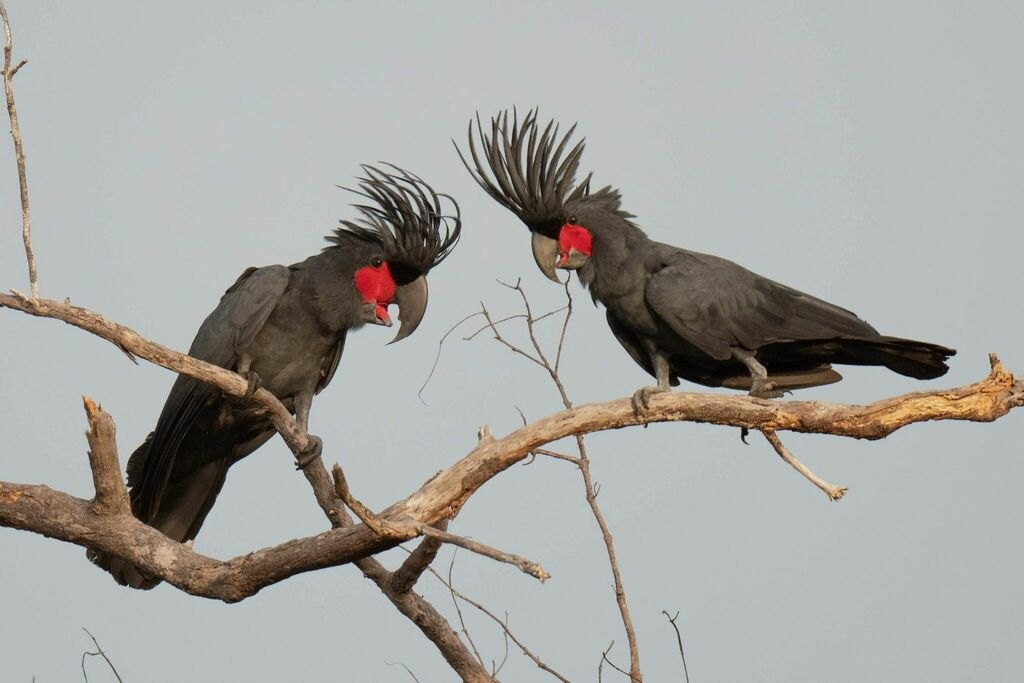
532,173
407,232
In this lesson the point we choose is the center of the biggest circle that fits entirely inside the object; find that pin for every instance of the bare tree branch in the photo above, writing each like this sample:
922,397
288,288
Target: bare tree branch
402,531
56,514
679,639
833,492
19,151
99,653
406,576
458,610
503,623
583,463
111,494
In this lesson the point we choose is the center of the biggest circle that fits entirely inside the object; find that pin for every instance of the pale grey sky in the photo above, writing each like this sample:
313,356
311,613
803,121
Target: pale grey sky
869,153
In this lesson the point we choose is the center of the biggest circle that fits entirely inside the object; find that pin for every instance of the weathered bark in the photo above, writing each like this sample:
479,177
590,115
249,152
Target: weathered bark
58,515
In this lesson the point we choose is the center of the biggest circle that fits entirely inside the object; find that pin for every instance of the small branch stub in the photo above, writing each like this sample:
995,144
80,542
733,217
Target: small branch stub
111,494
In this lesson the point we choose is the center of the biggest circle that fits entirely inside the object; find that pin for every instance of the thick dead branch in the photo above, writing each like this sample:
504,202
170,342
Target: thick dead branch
419,560
133,344
56,514
19,151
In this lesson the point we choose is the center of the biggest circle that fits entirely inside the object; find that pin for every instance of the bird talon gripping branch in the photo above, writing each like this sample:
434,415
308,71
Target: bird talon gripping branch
313,451
253,383
642,399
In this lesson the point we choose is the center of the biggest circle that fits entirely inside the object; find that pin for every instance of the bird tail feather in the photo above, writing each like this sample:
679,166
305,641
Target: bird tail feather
916,359
180,516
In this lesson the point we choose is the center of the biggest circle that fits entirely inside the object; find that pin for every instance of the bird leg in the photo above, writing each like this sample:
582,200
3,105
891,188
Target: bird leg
253,380
315,447
642,397
761,387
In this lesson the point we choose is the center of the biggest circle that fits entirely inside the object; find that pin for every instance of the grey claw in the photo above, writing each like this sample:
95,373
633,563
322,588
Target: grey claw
765,389
312,452
642,399
254,383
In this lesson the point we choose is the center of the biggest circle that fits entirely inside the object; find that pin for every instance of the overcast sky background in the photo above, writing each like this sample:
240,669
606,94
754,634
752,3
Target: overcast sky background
871,154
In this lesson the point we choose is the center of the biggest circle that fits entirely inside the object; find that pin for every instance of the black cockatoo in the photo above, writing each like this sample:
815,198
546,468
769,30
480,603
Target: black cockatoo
284,328
678,313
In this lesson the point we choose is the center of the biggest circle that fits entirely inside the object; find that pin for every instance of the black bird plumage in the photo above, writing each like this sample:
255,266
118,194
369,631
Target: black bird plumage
678,313
285,328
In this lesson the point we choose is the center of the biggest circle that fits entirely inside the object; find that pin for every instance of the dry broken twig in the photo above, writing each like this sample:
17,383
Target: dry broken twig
503,623
99,653
19,151
831,490
679,640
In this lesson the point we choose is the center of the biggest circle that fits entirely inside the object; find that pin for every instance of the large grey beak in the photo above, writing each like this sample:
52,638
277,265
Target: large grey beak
545,253
412,304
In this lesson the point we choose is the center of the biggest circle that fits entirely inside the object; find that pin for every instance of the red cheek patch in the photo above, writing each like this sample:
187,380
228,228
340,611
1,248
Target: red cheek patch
376,286
574,237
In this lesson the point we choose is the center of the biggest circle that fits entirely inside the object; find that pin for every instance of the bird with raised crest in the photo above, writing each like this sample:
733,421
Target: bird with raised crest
284,328
677,313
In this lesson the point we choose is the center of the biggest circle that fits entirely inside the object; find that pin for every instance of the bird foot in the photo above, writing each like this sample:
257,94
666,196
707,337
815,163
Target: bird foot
762,388
312,452
642,398
254,382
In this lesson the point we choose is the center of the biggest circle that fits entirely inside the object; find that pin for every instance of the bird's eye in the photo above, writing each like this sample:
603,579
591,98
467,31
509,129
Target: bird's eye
376,261
573,220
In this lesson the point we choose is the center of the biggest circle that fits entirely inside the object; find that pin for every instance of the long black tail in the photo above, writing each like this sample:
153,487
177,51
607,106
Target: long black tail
182,513
916,359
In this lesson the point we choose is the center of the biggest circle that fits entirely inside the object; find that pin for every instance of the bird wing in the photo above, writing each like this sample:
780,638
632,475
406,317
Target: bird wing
331,364
716,304
231,326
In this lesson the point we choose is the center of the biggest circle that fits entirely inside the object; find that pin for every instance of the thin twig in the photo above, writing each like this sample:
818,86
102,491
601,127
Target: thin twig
506,319
604,656
832,491
555,454
19,151
404,531
407,669
458,610
565,326
497,335
437,357
503,624
679,639
99,653
591,490
496,668
530,567
606,535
